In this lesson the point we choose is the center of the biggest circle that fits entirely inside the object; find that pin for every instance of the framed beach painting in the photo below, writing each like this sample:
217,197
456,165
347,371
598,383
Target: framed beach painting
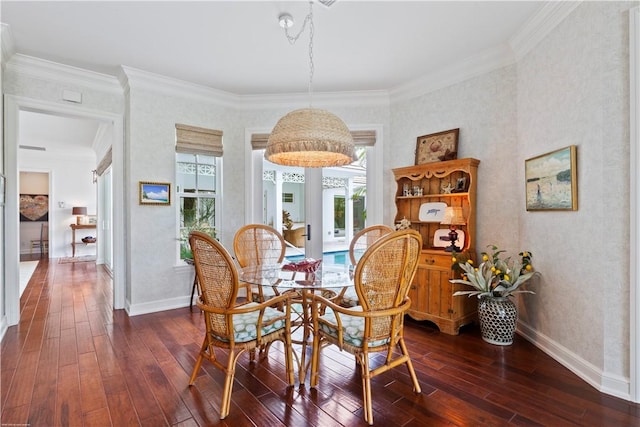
551,181
154,193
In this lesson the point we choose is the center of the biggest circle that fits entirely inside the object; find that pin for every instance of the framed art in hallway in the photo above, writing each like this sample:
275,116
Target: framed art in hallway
154,193
551,181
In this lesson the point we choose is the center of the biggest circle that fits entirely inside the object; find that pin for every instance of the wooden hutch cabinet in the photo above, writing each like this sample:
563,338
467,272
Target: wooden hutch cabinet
423,191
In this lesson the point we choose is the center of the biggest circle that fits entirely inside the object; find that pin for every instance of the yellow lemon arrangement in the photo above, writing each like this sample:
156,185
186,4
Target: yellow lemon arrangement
496,276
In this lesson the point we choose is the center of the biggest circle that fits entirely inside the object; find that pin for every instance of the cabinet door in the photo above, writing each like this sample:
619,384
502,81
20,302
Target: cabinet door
439,293
418,292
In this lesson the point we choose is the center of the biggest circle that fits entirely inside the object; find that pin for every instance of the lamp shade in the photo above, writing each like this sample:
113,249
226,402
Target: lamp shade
79,210
311,138
453,216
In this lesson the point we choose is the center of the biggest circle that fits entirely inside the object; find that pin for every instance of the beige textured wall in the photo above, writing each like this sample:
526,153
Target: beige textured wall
573,89
484,108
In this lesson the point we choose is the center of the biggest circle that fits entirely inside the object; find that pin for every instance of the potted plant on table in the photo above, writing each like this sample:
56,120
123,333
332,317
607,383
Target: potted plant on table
495,280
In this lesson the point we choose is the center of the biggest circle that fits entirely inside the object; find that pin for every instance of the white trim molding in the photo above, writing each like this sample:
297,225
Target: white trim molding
613,385
541,24
465,69
138,79
66,74
6,40
634,198
547,18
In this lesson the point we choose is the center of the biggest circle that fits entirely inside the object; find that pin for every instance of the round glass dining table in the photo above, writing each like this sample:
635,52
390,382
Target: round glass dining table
329,280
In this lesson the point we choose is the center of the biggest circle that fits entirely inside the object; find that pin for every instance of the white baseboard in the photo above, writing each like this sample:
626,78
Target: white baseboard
614,385
156,306
3,327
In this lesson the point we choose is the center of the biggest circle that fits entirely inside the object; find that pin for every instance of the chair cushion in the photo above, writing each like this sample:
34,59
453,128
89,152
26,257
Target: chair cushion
350,298
352,328
267,293
245,324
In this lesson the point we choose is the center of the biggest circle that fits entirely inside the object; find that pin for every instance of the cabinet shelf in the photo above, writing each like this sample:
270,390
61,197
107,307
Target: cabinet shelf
431,292
433,196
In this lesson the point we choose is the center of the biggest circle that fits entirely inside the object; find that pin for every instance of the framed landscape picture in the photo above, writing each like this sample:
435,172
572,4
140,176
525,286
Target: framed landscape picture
154,193
437,147
551,181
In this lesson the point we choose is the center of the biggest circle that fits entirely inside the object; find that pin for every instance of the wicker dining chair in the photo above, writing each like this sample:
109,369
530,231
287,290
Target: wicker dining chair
365,238
382,279
256,244
359,244
229,325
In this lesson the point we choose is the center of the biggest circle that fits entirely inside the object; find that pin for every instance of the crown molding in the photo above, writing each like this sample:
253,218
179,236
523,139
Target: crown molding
133,78
53,71
539,25
484,62
374,98
6,40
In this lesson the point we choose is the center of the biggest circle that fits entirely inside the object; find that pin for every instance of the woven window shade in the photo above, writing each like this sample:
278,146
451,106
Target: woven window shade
195,140
360,137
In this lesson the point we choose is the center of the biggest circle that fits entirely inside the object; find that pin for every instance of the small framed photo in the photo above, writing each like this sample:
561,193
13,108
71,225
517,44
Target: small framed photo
551,181
437,147
154,193
461,185
92,219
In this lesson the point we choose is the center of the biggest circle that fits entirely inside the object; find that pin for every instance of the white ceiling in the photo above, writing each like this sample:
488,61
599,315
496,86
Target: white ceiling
238,46
56,133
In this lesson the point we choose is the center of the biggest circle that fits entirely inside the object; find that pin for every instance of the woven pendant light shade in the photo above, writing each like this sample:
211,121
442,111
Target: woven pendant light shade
310,138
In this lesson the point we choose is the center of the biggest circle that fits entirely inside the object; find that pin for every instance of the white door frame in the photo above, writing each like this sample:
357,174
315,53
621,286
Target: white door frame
634,200
12,107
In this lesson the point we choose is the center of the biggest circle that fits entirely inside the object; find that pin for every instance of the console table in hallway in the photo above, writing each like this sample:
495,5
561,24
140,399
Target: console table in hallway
75,227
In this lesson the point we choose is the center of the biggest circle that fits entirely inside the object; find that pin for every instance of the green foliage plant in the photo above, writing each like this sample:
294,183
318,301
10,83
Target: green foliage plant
496,276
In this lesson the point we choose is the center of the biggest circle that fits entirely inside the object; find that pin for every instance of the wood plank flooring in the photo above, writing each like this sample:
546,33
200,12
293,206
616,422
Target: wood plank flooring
74,361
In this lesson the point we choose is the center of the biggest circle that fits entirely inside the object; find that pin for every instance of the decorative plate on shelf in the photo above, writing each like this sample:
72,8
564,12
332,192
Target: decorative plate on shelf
432,212
441,238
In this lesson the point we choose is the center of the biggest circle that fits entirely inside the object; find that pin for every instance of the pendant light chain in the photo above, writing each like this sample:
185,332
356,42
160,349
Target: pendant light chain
294,39
311,67
309,137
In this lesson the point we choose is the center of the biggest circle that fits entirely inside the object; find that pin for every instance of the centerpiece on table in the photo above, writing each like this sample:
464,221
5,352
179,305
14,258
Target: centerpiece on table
495,280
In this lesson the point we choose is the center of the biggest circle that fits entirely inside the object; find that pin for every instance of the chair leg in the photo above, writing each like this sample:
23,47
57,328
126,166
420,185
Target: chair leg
412,372
228,383
366,390
315,360
196,367
288,358
193,291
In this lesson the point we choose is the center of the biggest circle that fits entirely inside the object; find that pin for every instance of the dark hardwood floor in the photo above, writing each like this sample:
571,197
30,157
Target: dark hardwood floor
73,361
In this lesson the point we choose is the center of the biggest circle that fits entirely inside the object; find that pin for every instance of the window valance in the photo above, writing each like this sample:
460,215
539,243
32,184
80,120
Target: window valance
196,140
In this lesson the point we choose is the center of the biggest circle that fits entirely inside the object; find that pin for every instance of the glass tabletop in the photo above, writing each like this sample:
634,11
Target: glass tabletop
327,276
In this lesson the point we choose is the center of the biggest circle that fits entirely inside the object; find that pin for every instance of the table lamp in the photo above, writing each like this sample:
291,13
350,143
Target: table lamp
452,217
80,211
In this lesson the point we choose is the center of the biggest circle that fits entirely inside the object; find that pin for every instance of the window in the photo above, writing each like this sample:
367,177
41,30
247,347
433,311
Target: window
287,197
198,160
197,196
